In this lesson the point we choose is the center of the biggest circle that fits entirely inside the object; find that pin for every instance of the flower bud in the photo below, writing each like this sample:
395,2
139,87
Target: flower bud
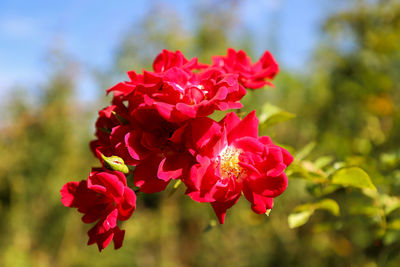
115,163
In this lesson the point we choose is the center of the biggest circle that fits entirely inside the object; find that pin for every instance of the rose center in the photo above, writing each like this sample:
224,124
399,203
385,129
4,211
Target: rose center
228,161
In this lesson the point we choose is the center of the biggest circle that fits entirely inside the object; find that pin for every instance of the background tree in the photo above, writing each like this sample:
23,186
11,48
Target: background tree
346,100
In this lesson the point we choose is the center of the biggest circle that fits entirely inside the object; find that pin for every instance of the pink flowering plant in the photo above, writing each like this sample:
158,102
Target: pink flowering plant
158,128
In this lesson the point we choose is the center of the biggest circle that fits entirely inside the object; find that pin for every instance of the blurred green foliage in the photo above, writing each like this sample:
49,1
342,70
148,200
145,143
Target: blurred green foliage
339,118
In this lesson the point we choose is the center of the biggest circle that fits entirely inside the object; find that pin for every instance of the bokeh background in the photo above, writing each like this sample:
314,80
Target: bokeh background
340,75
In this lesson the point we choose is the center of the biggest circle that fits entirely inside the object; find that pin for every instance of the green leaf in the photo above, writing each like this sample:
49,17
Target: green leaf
324,204
175,187
394,225
329,189
300,170
336,166
305,151
322,162
303,212
329,205
115,163
391,237
353,177
366,210
271,115
391,203
299,218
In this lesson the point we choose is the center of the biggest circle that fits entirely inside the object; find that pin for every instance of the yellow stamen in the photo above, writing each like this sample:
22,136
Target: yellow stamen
229,163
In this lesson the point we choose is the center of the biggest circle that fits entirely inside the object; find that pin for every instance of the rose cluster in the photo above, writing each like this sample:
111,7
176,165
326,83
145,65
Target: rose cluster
157,128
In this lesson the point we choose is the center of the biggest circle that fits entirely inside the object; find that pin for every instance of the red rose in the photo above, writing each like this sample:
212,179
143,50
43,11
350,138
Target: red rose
158,123
104,197
177,92
253,76
232,158
102,237
109,117
168,59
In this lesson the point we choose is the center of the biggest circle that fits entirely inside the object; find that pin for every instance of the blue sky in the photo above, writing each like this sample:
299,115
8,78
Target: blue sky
90,30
